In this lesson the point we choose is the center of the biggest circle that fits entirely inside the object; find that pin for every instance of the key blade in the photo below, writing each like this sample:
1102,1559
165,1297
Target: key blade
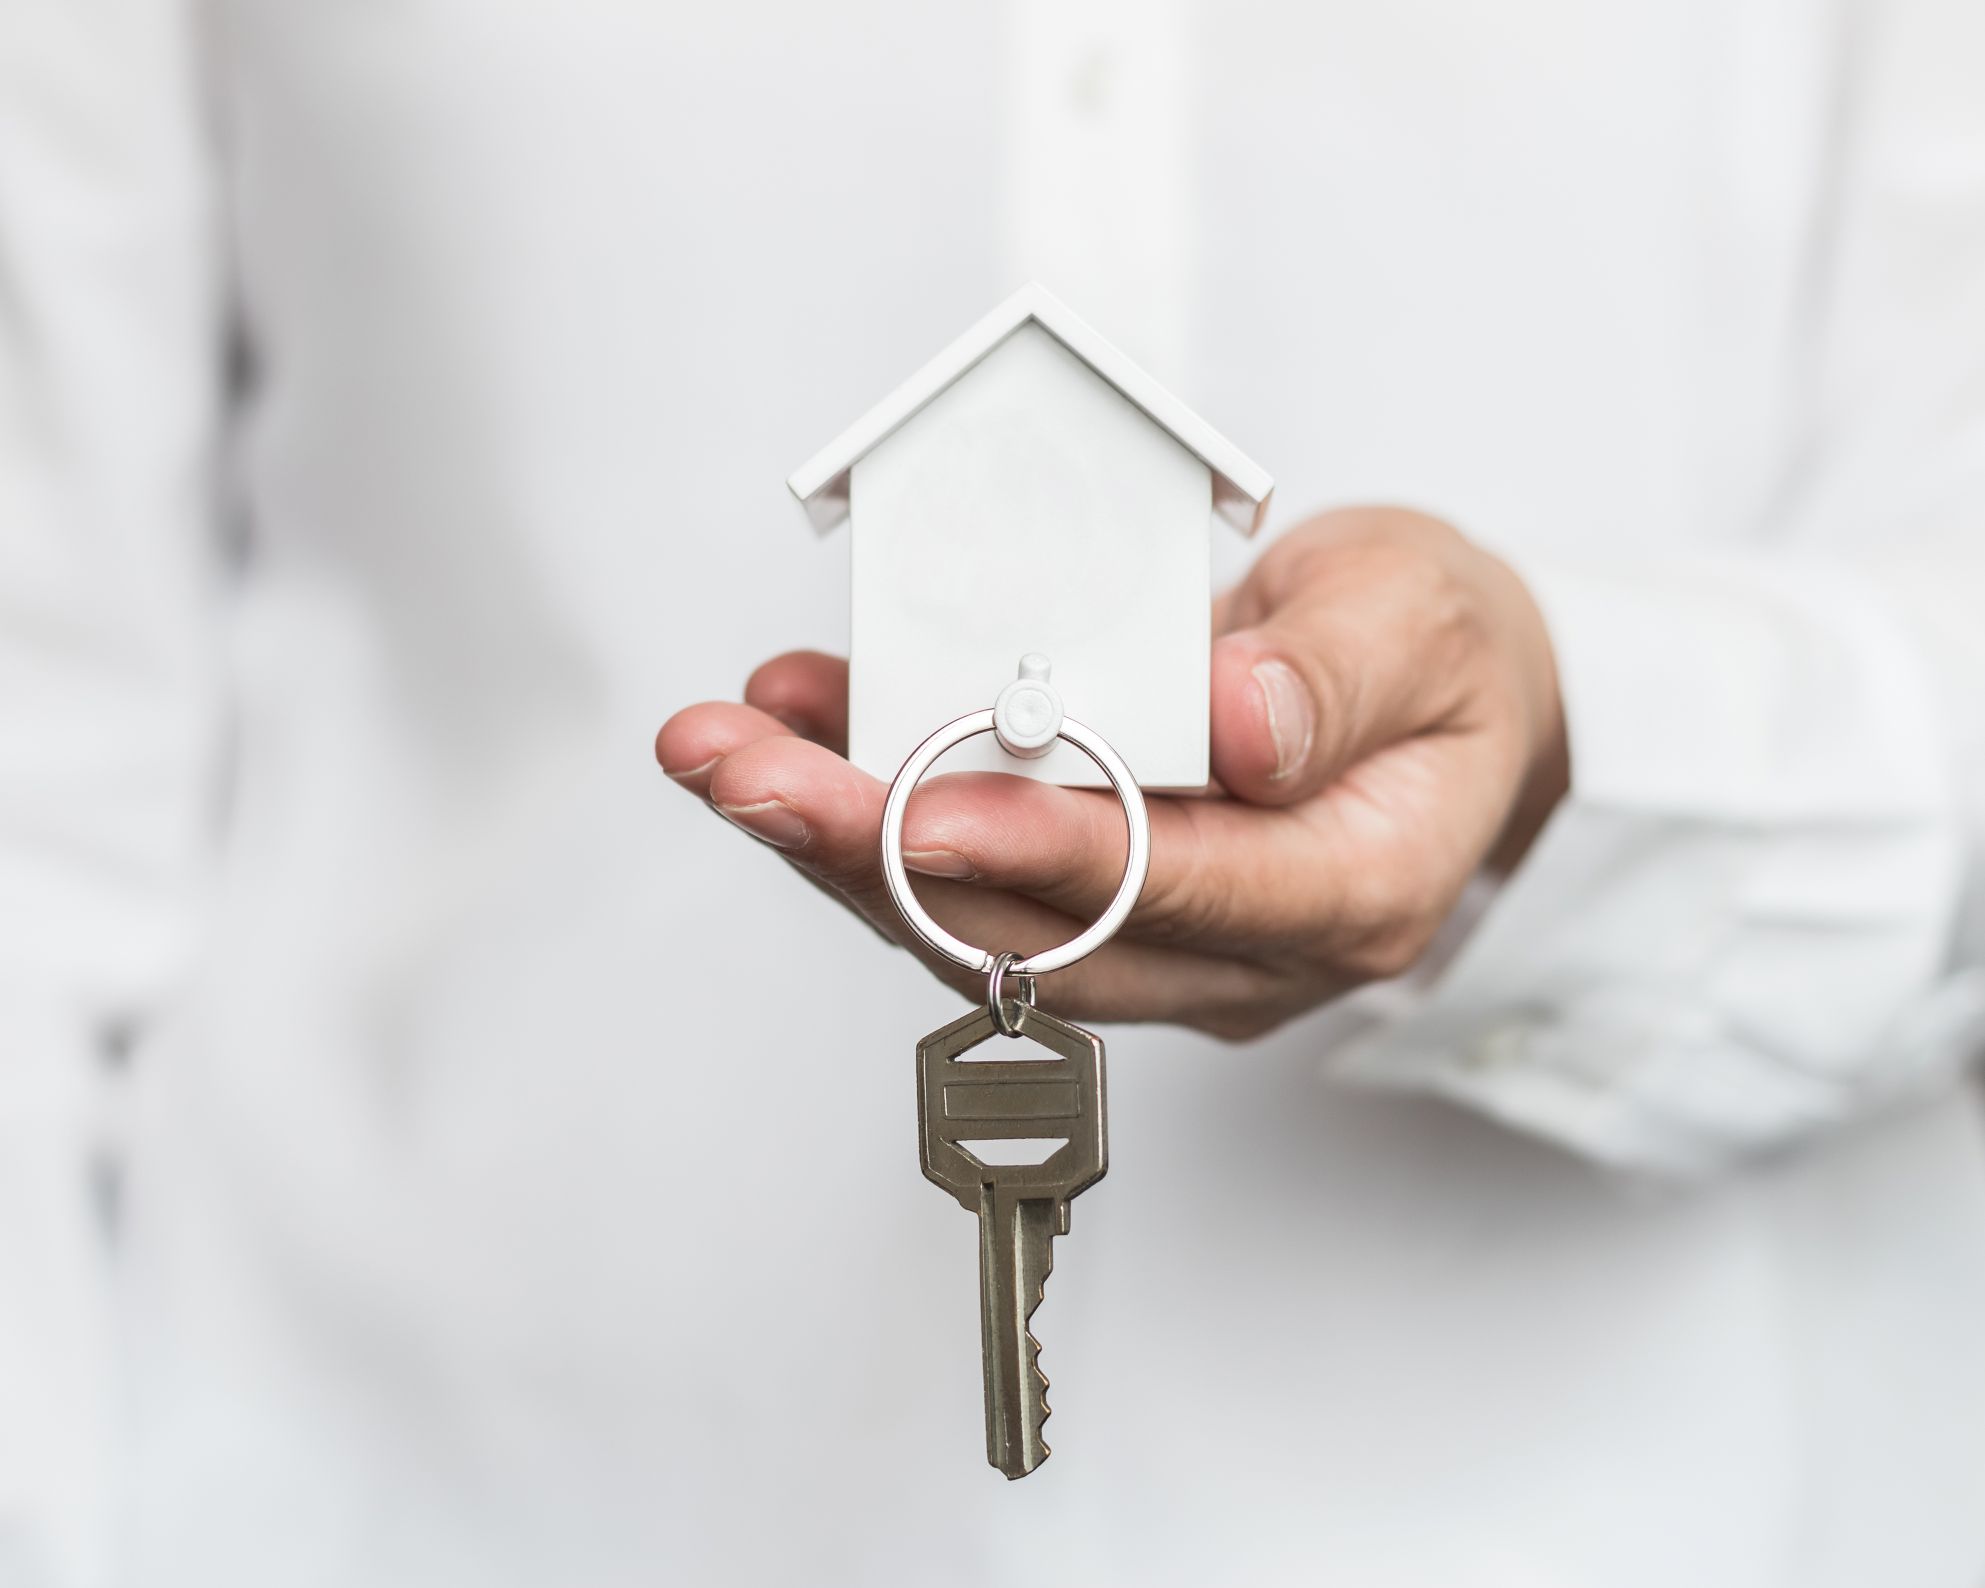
1016,1253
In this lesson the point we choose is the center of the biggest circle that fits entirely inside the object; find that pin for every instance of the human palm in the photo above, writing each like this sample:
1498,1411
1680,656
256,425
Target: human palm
1385,723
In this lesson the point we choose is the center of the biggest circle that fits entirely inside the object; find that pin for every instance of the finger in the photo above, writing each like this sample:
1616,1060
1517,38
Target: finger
1346,658
808,691
1224,876
825,816
696,739
1132,981
1237,608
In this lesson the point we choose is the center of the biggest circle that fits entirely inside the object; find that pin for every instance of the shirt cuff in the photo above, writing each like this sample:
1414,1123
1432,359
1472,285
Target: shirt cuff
1732,932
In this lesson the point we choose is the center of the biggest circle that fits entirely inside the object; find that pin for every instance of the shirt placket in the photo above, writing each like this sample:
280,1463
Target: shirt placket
1098,172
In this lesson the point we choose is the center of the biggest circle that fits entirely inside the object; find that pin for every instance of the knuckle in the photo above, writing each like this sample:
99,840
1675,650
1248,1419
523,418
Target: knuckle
1379,958
1177,903
1444,606
1384,925
1389,952
1188,898
1458,626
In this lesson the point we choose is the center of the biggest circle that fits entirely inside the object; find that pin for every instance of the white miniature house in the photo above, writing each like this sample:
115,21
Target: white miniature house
1030,490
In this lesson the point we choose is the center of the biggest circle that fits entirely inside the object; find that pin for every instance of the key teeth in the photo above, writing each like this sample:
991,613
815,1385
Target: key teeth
1018,1448
1041,1400
1034,1362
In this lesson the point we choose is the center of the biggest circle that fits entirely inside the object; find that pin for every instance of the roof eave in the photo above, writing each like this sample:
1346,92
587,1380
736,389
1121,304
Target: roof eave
1241,488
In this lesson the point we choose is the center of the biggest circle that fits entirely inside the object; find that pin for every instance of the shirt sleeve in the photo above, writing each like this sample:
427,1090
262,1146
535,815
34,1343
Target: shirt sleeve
1759,912
108,376
1742,925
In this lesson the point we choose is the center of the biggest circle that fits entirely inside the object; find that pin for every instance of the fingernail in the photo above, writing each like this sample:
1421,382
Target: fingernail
1291,717
684,774
772,820
939,863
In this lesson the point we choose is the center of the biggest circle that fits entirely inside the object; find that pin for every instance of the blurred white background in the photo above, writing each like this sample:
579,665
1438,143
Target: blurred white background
510,1175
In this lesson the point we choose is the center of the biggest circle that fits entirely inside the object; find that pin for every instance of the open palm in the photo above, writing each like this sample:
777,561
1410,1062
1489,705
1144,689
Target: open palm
1385,722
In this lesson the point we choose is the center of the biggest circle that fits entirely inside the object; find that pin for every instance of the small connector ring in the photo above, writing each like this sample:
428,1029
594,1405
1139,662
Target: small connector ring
996,1000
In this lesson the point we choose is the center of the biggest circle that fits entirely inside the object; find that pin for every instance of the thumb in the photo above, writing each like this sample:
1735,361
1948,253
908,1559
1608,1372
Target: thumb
1297,701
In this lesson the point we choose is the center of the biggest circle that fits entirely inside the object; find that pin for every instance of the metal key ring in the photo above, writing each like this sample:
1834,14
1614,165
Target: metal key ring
996,993
959,952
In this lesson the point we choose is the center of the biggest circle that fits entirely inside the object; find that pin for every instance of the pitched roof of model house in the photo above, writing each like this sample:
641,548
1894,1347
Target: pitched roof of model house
1241,488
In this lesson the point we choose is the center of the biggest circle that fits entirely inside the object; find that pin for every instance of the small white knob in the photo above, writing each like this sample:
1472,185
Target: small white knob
1027,714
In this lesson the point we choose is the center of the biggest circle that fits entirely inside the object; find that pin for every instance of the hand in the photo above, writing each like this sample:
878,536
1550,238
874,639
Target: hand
1386,722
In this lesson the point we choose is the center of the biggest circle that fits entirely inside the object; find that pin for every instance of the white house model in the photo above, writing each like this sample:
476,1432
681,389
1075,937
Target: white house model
1030,490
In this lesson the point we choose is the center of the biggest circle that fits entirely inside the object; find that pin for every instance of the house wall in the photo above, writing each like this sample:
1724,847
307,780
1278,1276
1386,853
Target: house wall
1032,508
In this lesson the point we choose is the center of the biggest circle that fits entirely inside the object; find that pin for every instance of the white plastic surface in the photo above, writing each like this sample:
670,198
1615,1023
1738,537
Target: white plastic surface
1031,507
1027,716
1241,487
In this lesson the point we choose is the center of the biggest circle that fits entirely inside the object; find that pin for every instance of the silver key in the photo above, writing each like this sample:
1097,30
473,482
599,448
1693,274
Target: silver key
1021,1207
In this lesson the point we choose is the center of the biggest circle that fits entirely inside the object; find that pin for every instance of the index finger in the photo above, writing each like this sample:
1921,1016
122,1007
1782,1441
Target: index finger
1224,876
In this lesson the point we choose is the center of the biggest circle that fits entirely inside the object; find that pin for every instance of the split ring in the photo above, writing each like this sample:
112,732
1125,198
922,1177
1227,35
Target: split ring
1136,864
996,993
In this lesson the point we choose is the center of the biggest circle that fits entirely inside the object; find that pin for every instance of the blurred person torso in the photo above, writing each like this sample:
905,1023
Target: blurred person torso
521,1178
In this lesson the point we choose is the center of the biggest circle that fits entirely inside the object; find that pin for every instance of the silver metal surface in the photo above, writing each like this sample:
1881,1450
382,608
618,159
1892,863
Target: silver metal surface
1137,862
996,999
1021,1207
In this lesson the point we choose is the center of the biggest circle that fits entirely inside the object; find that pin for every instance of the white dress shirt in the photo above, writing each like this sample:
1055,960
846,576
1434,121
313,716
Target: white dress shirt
434,1151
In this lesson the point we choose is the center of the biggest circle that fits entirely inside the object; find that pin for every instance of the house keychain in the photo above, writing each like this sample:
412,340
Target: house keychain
1029,493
